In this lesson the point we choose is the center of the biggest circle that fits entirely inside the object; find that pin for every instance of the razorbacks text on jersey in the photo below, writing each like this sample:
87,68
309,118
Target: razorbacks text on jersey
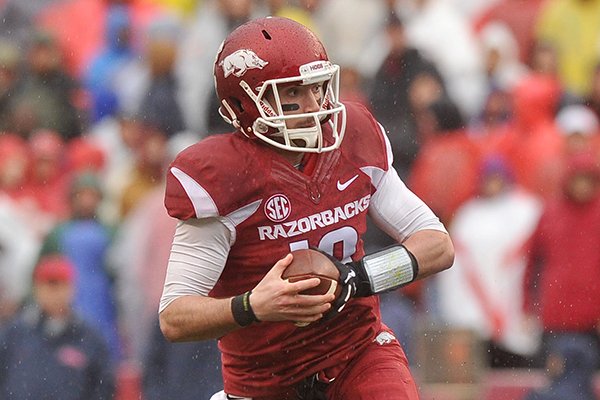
276,208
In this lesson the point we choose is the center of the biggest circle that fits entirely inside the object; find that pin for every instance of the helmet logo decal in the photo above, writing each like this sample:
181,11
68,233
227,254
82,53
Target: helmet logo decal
278,208
239,62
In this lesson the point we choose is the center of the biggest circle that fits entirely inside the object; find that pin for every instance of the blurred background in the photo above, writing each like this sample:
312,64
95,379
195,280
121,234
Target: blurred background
491,107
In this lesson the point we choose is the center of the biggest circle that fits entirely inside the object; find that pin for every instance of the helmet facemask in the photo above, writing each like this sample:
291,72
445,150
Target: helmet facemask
272,124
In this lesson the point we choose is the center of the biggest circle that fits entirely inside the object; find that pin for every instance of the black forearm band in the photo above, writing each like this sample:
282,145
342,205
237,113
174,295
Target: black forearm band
242,310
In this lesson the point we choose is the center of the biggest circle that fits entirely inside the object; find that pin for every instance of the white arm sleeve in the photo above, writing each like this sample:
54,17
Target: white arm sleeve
394,208
399,212
198,255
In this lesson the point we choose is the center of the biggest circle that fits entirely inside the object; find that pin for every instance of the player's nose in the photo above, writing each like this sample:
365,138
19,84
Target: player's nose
312,102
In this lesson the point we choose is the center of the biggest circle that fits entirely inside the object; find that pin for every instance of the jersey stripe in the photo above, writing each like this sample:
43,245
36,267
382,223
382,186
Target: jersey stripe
204,206
243,213
375,174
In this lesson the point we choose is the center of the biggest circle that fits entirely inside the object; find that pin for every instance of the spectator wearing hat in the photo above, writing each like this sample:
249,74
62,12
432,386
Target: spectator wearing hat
483,291
562,278
47,351
580,127
578,132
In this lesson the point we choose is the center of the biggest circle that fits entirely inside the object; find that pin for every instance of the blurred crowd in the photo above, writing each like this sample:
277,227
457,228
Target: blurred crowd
492,108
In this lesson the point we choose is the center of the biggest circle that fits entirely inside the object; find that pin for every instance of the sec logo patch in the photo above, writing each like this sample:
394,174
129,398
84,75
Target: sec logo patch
278,208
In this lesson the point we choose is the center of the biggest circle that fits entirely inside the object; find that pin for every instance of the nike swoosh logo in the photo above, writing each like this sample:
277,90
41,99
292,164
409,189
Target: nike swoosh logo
342,186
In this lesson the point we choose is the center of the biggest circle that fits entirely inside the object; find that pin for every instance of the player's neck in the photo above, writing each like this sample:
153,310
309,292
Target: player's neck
293,157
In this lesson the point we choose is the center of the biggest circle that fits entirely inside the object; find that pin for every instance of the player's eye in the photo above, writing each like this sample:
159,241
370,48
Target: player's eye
317,88
292,91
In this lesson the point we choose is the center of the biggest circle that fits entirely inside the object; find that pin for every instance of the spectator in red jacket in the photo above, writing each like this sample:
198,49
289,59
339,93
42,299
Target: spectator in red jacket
563,273
533,140
445,171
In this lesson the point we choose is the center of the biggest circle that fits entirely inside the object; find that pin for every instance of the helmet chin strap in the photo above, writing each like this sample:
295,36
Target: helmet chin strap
309,136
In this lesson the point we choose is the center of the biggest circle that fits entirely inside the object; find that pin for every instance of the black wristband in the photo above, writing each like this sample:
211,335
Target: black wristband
242,310
414,262
363,287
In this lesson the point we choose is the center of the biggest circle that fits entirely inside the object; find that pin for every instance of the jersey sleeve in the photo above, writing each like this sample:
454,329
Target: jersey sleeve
394,207
210,179
366,144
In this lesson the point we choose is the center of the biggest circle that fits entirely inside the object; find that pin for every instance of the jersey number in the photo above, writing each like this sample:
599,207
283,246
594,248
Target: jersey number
344,239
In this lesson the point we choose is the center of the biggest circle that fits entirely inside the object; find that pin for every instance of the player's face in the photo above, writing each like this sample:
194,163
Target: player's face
54,297
582,187
300,99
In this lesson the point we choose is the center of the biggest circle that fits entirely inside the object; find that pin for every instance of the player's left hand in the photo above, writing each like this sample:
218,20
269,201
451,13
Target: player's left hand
351,281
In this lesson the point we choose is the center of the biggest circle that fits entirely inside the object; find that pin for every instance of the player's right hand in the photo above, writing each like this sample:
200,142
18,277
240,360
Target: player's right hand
276,299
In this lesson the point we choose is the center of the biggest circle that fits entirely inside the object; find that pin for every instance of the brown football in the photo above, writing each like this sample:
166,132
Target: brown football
308,263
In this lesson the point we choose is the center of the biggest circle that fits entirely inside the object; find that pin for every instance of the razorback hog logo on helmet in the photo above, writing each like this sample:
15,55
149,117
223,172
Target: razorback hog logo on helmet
239,62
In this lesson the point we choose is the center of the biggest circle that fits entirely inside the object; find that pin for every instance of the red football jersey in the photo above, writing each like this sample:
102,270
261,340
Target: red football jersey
276,208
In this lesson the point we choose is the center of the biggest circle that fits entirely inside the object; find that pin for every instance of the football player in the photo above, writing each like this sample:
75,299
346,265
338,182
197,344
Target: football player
301,170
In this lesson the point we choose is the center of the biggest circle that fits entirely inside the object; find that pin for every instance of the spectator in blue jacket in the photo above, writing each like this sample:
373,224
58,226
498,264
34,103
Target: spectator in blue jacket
84,239
47,352
169,366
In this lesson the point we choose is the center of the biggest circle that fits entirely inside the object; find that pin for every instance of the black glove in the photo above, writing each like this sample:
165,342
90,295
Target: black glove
353,281
382,271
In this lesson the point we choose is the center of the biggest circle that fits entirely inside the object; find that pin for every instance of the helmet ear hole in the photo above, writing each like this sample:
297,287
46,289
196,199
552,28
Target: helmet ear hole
231,110
237,104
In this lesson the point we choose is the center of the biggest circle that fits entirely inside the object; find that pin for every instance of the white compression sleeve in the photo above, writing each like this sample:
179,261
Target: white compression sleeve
398,211
198,255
